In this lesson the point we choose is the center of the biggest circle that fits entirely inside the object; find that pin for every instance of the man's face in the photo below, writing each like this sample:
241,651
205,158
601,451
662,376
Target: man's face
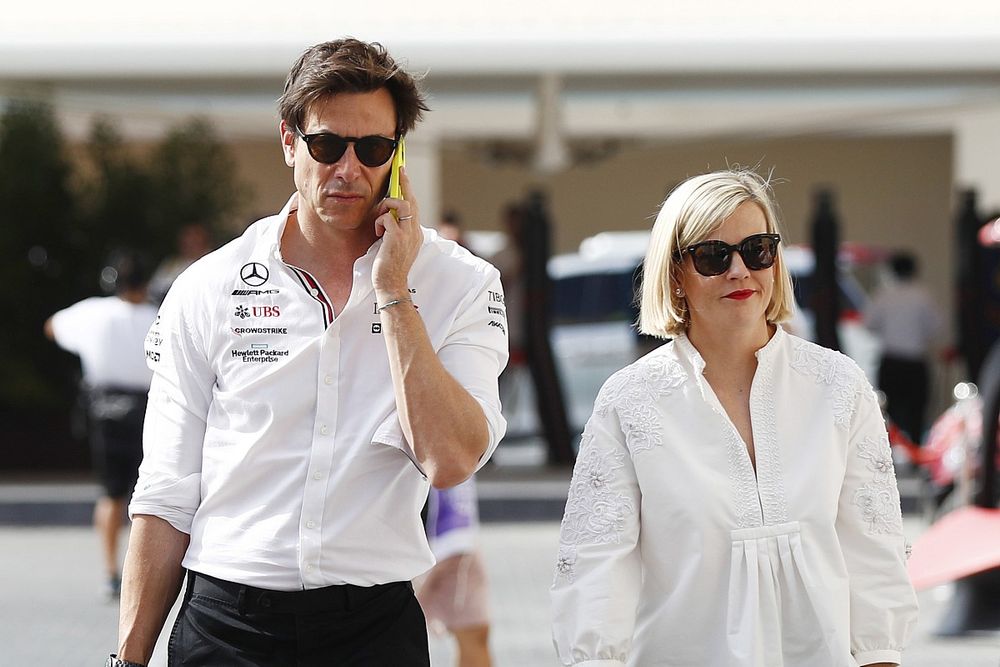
342,195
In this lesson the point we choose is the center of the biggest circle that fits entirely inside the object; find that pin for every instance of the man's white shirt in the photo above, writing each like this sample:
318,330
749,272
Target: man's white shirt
271,434
107,333
906,320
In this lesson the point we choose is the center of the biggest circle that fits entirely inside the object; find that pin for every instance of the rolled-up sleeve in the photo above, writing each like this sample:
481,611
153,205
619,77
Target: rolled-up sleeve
475,351
598,573
169,484
870,529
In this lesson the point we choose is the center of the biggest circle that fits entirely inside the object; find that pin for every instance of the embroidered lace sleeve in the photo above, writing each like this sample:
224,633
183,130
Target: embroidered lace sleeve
597,576
869,526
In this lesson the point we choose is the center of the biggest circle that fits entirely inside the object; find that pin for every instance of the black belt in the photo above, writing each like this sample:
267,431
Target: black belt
343,597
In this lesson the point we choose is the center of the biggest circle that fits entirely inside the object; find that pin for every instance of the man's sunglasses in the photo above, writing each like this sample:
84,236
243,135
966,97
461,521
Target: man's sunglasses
328,148
712,258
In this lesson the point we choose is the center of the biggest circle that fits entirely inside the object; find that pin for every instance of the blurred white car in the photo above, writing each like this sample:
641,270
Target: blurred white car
593,311
856,341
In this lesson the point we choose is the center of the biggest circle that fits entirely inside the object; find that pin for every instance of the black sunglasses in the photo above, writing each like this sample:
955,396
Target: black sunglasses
328,148
712,258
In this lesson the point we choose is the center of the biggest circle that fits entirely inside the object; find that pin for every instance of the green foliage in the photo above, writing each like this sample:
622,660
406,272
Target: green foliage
40,249
193,179
116,197
189,178
56,237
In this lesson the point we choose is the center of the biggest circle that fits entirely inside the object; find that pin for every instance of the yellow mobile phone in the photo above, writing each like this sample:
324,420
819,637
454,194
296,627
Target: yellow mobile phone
398,160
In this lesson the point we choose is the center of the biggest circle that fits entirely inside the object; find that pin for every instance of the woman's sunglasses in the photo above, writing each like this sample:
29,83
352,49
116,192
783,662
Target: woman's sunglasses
326,147
712,258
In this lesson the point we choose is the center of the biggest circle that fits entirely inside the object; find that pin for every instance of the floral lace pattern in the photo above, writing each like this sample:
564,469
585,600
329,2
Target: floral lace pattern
770,475
566,562
748,510
595,512
633,393
835,371
878,500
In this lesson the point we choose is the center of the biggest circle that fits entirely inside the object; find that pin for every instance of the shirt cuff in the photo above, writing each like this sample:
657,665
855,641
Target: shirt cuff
179,520
390,432
878,655
496,425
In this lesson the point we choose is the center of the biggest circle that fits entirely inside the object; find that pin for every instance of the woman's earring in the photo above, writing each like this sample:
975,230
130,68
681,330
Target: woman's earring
679,292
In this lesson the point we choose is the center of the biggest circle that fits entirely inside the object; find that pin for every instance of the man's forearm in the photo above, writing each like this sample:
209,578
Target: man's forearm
442,421
151,580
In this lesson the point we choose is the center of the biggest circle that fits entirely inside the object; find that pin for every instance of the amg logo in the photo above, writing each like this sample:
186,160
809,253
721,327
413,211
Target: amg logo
254,292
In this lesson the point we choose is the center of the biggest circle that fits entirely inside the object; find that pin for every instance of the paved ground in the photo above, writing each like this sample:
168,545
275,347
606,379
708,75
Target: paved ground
51,613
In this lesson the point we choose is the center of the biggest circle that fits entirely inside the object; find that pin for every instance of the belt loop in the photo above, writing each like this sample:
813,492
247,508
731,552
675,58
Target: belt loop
351,601
189,588
241,601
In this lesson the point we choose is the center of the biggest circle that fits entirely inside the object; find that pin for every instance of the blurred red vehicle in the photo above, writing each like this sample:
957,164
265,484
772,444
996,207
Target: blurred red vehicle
949,457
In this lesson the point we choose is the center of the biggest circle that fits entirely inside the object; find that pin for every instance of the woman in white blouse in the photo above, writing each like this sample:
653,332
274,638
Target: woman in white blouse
734,502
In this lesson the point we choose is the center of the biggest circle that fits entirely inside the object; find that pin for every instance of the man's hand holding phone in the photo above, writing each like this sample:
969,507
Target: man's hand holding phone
398,225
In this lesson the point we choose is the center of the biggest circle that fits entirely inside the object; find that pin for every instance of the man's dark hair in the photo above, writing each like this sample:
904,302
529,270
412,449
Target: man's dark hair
904,265
452,218
125,269
349,66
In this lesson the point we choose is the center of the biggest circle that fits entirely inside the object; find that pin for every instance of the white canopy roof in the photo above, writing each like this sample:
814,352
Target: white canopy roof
676,69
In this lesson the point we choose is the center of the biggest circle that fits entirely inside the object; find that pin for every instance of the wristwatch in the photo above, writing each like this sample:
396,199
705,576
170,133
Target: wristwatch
115,661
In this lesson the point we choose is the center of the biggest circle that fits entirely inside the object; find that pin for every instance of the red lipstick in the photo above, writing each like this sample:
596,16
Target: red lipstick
740,294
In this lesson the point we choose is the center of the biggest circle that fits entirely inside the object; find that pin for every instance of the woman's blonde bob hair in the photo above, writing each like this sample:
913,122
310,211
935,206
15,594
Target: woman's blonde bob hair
692,213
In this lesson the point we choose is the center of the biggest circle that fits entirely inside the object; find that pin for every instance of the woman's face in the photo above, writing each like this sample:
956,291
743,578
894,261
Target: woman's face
737,299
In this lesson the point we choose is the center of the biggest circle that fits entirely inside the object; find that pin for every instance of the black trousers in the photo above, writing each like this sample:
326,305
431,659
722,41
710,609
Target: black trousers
906,383
115,426
222,623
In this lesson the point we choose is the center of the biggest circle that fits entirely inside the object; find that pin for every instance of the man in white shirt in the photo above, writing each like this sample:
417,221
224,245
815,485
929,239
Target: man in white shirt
107,333
311,379
908,322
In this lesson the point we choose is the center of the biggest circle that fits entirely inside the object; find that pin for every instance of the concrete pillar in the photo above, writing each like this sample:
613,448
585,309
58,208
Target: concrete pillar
423,165
977,155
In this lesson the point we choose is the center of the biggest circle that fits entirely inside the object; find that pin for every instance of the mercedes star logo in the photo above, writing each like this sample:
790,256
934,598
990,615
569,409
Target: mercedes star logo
254,274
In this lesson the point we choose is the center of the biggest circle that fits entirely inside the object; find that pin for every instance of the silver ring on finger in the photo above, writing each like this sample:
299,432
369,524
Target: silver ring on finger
405,217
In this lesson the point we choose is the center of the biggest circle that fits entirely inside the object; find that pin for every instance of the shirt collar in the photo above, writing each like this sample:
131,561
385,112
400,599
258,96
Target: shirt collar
270,240
764,354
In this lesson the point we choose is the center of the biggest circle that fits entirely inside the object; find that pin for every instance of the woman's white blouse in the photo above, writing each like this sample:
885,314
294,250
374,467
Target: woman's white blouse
674,552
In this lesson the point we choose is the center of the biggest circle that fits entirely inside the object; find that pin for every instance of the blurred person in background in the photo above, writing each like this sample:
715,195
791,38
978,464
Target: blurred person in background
509,262
451,228
903,315
454,594
107,333
301,405
734,502
194,241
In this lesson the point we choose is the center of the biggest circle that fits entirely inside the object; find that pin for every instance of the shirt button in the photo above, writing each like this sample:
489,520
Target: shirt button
309,567
310,524
317,475
314,291
328,379
324,429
